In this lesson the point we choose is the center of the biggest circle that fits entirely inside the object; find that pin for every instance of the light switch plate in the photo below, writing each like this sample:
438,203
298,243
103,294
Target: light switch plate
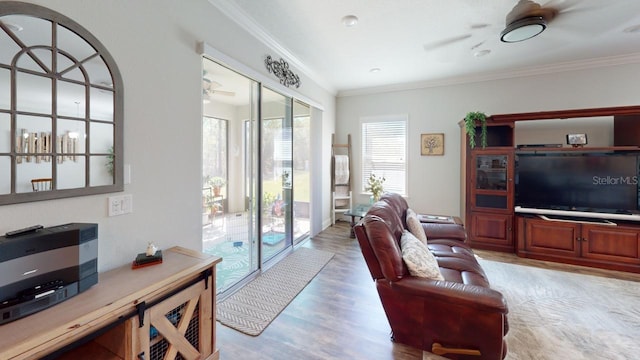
120,205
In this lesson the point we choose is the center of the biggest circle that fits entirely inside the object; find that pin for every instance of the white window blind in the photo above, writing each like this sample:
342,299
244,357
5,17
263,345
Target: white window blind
384,151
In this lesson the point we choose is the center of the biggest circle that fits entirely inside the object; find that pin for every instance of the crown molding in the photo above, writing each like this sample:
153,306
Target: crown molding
240,17
500,75
218,56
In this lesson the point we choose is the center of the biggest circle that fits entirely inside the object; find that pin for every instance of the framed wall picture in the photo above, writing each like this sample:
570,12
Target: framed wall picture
432,144
577,140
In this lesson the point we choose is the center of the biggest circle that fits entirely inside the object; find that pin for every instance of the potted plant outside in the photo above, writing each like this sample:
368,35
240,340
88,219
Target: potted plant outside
471,120
216,183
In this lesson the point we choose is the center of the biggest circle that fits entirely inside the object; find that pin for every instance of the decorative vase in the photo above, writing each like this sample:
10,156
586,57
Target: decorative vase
371,200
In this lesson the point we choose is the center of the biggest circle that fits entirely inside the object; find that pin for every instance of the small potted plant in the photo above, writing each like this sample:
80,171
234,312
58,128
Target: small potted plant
268,199
374,186
216,183
470,122
214,206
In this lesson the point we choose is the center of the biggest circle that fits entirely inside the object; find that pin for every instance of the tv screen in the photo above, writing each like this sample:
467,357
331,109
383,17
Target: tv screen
597,182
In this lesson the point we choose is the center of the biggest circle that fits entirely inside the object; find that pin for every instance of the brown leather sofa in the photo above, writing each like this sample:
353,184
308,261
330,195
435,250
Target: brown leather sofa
460,317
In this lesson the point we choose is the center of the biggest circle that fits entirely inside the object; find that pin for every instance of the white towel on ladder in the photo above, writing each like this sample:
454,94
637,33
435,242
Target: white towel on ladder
341,169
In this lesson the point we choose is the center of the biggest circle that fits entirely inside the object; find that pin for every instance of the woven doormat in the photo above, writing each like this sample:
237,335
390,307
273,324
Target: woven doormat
251,309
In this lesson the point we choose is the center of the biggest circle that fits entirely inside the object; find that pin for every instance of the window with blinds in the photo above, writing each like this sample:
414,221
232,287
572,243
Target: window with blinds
384,151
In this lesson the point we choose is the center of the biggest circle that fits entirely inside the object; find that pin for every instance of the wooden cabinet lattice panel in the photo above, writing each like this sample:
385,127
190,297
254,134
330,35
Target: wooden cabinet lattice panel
174,328
159,346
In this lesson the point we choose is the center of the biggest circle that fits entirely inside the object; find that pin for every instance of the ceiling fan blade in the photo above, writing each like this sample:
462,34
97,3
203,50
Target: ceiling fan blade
215,84
438,44
562,5
206,84
225,93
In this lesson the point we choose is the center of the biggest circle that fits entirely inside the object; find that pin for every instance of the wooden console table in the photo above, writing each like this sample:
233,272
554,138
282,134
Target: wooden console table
127,314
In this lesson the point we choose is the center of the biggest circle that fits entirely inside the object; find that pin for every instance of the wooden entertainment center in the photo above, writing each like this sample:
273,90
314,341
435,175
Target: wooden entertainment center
488,188
148,313
604,246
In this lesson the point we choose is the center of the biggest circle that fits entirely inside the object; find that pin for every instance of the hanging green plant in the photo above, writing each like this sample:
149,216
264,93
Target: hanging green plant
470,122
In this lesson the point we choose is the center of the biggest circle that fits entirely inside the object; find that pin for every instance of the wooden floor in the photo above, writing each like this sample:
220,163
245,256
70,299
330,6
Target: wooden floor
337,316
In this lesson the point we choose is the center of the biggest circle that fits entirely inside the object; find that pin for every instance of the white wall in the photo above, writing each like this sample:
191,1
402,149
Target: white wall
599,131
154,44
434,181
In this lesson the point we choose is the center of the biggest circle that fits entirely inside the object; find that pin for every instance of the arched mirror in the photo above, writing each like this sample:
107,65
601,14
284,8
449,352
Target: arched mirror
60,108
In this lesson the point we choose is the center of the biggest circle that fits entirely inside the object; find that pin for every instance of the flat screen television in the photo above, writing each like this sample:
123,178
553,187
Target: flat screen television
601,182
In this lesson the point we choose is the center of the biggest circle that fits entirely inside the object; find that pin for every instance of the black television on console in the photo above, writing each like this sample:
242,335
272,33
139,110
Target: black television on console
578,181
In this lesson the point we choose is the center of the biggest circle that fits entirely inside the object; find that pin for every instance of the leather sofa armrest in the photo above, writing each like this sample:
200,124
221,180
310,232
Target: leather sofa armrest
444,231
472,296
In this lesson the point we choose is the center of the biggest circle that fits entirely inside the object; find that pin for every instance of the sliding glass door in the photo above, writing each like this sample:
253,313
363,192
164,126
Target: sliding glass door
301,170
230,103
276,157
255,192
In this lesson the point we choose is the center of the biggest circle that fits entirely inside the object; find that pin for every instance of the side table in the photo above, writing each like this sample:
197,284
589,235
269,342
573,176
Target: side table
359,211
441,219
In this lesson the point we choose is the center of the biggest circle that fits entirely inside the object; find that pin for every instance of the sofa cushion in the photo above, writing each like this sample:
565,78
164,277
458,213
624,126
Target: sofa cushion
463,271
419,260
449,247
414,226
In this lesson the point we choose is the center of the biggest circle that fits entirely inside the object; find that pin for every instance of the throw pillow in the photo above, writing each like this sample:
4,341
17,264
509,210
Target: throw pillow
420,261
414,225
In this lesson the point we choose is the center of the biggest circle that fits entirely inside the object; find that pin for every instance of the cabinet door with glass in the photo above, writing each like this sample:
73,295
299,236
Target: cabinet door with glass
491,180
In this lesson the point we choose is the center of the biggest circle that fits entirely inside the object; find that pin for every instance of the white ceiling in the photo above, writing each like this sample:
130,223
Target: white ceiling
431,42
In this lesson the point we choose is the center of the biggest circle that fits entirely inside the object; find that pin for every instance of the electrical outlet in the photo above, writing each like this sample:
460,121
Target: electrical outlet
120,205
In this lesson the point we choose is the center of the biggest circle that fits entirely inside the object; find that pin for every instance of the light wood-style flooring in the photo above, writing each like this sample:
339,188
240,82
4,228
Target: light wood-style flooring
337,316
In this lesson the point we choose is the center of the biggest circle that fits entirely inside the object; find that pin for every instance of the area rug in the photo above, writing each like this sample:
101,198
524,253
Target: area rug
565,315
251,309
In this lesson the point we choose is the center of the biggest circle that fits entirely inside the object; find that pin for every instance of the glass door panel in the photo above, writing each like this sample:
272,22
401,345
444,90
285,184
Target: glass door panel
491,172
229,222
301,173
491,176
276,173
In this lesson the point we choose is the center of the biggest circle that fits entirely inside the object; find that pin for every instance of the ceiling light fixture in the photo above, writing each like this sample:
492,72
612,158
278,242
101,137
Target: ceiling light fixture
523,29
375,70
350,20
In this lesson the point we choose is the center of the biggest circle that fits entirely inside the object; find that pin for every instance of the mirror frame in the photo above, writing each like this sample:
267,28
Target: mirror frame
19,8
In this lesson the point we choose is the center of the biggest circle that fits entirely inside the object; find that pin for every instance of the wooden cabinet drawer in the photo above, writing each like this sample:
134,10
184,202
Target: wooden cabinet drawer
581,243
552,238
611,244
491,231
